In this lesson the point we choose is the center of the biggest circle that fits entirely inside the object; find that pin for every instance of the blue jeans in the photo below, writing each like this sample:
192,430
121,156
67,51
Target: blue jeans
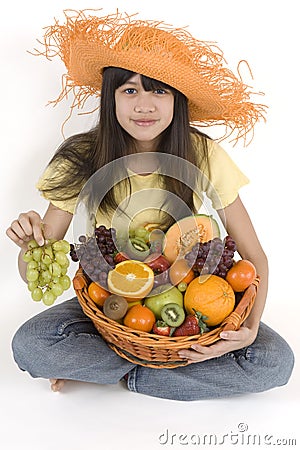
61,342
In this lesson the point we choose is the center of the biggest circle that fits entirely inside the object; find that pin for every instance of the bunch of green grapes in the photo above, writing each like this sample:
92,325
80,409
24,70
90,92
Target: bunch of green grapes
47,268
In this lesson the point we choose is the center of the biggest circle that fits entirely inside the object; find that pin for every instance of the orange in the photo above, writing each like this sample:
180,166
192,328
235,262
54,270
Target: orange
140,318
212,296
131,279
97,293
241,275
180,272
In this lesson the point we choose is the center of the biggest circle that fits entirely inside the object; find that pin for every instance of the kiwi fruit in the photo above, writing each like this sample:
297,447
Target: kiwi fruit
137,249
115,307
172,314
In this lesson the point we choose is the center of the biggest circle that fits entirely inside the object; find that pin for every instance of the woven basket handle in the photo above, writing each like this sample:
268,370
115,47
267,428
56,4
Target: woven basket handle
234,320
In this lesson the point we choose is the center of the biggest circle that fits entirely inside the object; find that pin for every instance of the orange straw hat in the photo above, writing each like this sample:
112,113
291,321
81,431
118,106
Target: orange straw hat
88,43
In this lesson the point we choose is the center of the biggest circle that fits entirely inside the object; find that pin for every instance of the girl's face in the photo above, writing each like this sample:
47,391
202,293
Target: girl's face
143,114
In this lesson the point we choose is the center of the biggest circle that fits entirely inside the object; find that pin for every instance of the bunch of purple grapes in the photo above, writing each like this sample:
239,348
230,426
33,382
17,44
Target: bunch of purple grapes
96,253
212,257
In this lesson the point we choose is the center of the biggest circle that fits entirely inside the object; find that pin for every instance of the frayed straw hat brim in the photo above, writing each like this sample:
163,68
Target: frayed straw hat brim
88,43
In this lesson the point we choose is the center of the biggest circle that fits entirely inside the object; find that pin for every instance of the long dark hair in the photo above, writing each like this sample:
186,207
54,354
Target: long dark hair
83,154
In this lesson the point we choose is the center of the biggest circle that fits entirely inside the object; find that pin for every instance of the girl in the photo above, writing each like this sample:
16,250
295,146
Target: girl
155,84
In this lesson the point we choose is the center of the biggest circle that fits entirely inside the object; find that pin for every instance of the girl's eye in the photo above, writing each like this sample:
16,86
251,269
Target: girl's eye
160,91
130,91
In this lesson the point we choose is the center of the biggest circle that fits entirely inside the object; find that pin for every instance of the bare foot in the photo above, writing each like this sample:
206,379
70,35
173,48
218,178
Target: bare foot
56,385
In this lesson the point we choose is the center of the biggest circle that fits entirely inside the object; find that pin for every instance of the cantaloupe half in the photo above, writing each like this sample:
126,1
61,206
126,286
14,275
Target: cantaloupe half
185,233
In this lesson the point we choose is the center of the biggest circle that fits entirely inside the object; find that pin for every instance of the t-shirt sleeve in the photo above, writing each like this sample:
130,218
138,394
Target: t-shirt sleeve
223,179
51,173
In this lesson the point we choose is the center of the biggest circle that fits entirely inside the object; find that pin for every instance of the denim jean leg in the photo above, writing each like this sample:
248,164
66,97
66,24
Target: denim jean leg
270,358
267,363
62,342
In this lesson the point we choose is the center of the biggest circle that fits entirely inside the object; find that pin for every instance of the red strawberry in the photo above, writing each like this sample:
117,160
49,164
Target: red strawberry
161,328
193,324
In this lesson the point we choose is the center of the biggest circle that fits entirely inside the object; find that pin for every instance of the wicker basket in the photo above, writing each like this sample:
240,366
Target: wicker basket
151,350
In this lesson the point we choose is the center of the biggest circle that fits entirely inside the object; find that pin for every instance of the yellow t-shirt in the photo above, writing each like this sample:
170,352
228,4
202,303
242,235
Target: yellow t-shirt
143,206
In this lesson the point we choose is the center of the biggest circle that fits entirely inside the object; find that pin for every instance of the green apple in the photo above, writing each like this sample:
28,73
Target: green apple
160,296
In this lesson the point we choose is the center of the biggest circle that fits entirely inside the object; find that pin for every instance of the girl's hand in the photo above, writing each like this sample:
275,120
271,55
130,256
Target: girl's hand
231,340
27,226
30,225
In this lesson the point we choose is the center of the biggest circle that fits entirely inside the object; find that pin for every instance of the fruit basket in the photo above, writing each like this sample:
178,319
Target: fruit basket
152,350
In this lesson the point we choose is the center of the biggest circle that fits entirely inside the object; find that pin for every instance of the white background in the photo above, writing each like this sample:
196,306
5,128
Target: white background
264,33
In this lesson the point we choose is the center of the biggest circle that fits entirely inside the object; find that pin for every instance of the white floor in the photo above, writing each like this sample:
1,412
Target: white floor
110,417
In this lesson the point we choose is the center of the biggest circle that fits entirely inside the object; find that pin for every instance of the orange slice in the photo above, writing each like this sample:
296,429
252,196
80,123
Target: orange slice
131,278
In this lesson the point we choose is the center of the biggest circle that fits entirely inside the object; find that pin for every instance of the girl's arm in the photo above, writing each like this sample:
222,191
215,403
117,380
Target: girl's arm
30,225
238,225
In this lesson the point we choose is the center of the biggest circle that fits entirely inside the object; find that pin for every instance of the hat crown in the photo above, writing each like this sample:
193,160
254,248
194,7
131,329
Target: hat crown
155,42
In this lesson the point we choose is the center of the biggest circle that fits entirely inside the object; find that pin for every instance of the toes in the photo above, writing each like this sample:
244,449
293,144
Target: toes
56,385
